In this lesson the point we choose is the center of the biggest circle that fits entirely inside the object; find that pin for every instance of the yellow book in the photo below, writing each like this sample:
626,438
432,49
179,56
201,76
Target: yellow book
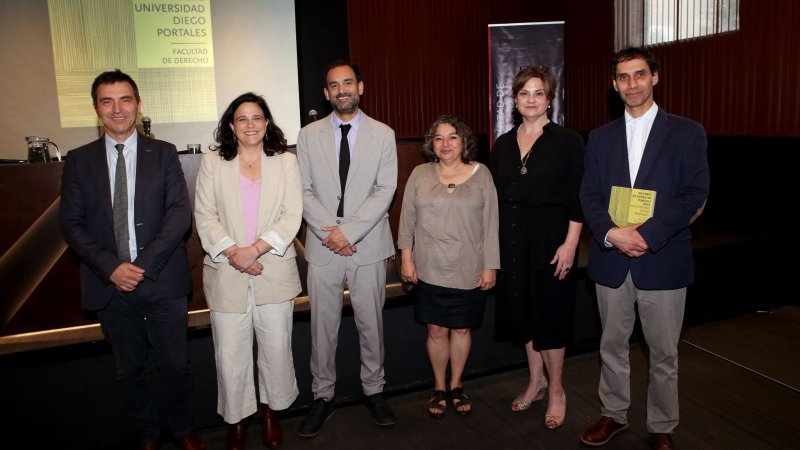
631,205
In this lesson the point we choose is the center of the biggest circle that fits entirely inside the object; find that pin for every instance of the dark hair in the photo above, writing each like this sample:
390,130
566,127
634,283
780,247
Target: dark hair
630,53
540,72
470,152
111,77
339,62
274,141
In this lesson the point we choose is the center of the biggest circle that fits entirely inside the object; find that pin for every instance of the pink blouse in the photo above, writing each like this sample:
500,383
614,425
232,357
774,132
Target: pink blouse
250,191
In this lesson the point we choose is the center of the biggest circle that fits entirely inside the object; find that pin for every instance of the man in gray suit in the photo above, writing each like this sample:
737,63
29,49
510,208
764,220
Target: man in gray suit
349,166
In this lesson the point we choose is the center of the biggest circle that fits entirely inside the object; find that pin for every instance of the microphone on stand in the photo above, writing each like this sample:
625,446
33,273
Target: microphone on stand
146,122
312,113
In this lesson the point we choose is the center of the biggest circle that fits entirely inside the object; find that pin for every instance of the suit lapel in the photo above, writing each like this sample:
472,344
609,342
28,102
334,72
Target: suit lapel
363,144
658,132
270,170
327,143
230,179
619,146
98,164
144,169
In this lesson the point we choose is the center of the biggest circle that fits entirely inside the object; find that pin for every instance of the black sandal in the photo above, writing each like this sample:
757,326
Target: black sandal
457,394
437,405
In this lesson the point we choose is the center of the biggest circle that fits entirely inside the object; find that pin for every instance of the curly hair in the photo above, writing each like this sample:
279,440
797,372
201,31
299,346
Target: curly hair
274,141
470,152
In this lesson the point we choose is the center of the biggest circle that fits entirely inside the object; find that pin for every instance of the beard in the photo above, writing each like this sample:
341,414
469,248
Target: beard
348,107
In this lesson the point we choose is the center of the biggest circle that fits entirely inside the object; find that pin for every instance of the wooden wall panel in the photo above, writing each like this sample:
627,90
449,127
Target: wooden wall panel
421,59
739,83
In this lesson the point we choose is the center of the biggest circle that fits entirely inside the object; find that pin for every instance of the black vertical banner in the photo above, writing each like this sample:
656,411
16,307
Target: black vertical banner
512,47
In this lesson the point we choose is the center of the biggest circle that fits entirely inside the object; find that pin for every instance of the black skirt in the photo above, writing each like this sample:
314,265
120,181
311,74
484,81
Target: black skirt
449,307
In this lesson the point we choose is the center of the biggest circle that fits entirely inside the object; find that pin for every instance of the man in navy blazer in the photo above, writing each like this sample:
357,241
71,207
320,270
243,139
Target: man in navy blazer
648,264
139,285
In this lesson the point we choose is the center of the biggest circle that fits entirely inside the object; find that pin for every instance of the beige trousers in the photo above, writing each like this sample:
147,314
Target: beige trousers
367,285
661,315
233,347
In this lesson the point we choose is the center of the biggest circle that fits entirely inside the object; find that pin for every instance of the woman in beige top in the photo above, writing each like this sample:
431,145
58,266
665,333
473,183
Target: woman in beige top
248,207
449,243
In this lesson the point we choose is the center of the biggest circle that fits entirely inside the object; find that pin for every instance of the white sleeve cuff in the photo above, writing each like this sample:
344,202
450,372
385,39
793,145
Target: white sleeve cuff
216,250
605,240
279,247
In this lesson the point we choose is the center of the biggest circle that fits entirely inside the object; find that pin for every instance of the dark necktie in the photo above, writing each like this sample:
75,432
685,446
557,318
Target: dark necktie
344,164
121,207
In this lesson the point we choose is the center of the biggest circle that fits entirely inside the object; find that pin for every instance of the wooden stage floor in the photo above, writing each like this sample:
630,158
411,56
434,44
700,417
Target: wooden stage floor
739,389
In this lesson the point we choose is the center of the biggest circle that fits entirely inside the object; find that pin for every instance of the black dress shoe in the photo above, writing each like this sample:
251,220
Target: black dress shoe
311,425
381,414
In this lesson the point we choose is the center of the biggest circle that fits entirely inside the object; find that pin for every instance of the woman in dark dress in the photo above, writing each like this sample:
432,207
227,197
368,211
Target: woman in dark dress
537,169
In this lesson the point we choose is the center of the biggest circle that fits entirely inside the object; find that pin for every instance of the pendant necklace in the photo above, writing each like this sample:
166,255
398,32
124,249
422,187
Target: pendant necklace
439,173
250,164
524,169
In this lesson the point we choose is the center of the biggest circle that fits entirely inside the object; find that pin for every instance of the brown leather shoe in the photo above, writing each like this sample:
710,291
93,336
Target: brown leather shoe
602,432
191,442
661,441
237,436
272,433
151,445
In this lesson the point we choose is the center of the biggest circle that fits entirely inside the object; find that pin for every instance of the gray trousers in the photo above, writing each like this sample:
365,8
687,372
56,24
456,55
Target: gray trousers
661,314
367,295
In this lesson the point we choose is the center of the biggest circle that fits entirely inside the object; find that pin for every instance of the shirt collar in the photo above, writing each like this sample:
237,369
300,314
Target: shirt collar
129,143
337,121
649,116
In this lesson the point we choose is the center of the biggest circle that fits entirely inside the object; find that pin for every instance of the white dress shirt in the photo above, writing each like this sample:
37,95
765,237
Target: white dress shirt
637,130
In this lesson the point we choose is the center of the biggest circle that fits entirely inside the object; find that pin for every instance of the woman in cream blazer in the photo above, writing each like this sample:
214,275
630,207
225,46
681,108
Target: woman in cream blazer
248,208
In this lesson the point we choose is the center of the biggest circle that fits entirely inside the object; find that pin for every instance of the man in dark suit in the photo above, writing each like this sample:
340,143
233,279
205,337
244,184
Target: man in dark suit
647,264
125,212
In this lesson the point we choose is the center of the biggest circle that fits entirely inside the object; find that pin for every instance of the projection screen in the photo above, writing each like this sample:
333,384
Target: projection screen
190,58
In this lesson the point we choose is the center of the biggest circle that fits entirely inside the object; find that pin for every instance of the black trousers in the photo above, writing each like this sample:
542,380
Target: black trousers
132,323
